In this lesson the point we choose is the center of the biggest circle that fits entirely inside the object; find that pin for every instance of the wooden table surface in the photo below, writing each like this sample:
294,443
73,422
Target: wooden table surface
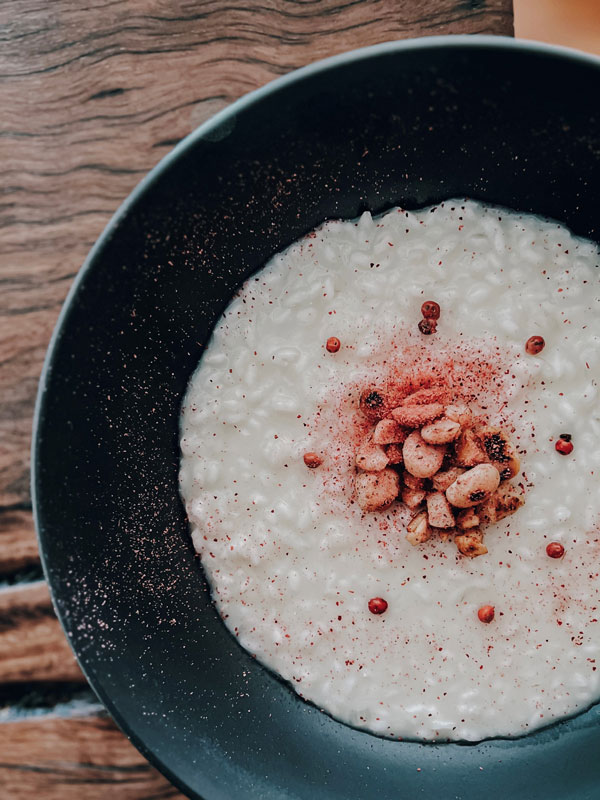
93,94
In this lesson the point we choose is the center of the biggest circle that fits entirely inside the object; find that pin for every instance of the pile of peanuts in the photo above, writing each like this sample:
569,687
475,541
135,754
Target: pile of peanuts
450,469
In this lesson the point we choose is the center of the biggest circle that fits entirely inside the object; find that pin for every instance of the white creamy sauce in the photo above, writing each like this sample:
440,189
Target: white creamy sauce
292,561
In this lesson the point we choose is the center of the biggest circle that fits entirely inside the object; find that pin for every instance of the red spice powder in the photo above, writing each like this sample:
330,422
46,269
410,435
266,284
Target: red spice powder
476,373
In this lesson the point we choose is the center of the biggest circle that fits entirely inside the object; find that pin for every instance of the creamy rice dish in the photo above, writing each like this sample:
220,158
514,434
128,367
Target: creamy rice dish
408,638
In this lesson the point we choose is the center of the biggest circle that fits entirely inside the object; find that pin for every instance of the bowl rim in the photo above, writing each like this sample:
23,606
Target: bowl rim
470,42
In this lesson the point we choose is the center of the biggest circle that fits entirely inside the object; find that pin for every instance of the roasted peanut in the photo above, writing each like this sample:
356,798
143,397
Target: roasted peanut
439,513
394,453
412,498
421,459
475,486
376,491
417,416
371,457
442,480
441,432
459,412
374,403
467,519
418,529
412,482
423,397
502,503
500,451
469,450
471,544
387,431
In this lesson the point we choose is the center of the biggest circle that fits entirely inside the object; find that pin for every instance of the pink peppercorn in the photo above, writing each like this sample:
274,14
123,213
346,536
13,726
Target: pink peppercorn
486,613
564,445
555,550
534,345
377,605
430,309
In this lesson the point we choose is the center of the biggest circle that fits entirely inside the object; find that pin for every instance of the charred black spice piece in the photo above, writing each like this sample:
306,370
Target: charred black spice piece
373,403
495,446
373,400
475,497
427,326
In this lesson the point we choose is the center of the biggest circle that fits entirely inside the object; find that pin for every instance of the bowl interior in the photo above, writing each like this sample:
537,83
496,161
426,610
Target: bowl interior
405,124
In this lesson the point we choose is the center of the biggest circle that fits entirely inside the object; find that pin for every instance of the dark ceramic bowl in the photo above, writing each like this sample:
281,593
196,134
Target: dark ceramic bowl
407,123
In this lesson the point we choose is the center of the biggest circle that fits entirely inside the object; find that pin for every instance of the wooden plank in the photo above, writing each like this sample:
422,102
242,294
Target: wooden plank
93,95
18,542
85,758
33,646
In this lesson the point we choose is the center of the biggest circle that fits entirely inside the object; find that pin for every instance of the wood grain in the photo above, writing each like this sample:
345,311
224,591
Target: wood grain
33,646
86,758
94,95
18,542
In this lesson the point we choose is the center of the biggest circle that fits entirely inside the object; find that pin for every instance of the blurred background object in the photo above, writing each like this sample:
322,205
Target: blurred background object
573,23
